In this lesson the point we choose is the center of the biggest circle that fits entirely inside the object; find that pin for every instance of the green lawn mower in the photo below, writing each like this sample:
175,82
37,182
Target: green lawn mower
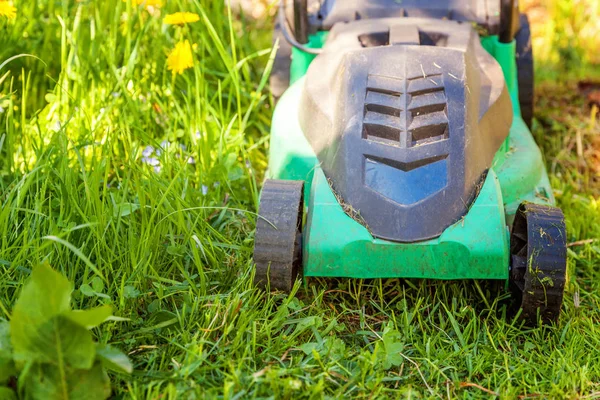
400,148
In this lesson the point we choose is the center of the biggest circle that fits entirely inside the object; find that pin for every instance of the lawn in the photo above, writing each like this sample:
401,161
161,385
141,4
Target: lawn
141,185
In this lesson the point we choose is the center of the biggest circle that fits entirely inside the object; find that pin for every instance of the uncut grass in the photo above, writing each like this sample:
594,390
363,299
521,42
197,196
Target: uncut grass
171,250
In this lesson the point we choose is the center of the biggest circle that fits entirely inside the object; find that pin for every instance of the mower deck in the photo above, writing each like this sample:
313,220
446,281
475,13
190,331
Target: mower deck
365,127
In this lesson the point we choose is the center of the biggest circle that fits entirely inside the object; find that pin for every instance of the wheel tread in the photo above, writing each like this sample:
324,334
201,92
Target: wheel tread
277,232
543,283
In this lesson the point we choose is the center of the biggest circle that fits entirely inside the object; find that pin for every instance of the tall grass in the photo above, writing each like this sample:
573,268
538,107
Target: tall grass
565,38
141,187
88,95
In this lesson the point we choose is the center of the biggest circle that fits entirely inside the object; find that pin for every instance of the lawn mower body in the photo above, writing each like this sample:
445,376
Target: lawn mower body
407,135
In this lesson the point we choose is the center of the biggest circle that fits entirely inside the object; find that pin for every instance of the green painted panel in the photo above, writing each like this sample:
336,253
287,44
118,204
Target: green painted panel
301,60
475,247
335,245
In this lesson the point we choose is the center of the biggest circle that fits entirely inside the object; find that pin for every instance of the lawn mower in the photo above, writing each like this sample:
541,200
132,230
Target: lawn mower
400,148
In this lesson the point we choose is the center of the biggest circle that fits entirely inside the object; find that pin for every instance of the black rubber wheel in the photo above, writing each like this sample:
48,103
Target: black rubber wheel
538,247
525,72
279,81
278,239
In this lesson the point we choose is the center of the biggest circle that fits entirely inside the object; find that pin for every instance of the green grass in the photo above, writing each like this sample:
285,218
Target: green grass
171,250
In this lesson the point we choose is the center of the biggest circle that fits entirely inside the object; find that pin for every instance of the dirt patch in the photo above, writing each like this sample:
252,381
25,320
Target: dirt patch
591,92
569,133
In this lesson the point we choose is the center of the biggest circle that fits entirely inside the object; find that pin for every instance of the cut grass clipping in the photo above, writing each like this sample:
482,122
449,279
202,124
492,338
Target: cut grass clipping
140,186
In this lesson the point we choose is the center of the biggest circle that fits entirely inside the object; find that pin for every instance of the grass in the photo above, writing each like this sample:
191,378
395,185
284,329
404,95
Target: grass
141,187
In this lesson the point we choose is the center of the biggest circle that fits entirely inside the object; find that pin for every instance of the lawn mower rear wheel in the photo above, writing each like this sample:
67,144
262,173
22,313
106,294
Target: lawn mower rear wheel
278,239
538,249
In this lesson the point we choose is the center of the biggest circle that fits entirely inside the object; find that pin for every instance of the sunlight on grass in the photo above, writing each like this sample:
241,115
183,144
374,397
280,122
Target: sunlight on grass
565,36
152,178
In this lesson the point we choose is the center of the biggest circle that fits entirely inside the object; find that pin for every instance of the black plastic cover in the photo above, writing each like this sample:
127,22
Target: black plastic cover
485,13
406,116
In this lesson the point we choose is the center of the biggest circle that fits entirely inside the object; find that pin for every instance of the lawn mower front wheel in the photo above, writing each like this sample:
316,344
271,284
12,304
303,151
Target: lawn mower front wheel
278,238
538,248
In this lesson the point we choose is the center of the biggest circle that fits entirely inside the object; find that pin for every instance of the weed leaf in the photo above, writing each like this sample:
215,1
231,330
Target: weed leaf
91,318
88,291
47,382
124,209
40,332
7,393
130,292
392,346
7,366
57,341
46,295
114,359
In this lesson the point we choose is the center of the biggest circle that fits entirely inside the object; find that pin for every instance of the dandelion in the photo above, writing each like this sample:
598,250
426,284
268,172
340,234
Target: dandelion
180,58
7,10
181,18
150,3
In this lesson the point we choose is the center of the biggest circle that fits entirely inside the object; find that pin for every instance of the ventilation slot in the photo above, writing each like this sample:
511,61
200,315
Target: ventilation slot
433,39
427,110
375,39
382,108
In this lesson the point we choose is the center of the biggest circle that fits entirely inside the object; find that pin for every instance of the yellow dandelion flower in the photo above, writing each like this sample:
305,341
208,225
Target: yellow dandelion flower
180,58
7,10
150,3
181,18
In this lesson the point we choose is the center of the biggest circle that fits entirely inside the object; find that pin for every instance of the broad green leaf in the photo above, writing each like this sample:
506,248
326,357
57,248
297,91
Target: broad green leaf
7,370
130,292
50,383
7,394
44,296
7,366
114,359
393,347
58,341
124,209
89,385
178,251
235,174
90,318
308,348
5,345
87,290
97,284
